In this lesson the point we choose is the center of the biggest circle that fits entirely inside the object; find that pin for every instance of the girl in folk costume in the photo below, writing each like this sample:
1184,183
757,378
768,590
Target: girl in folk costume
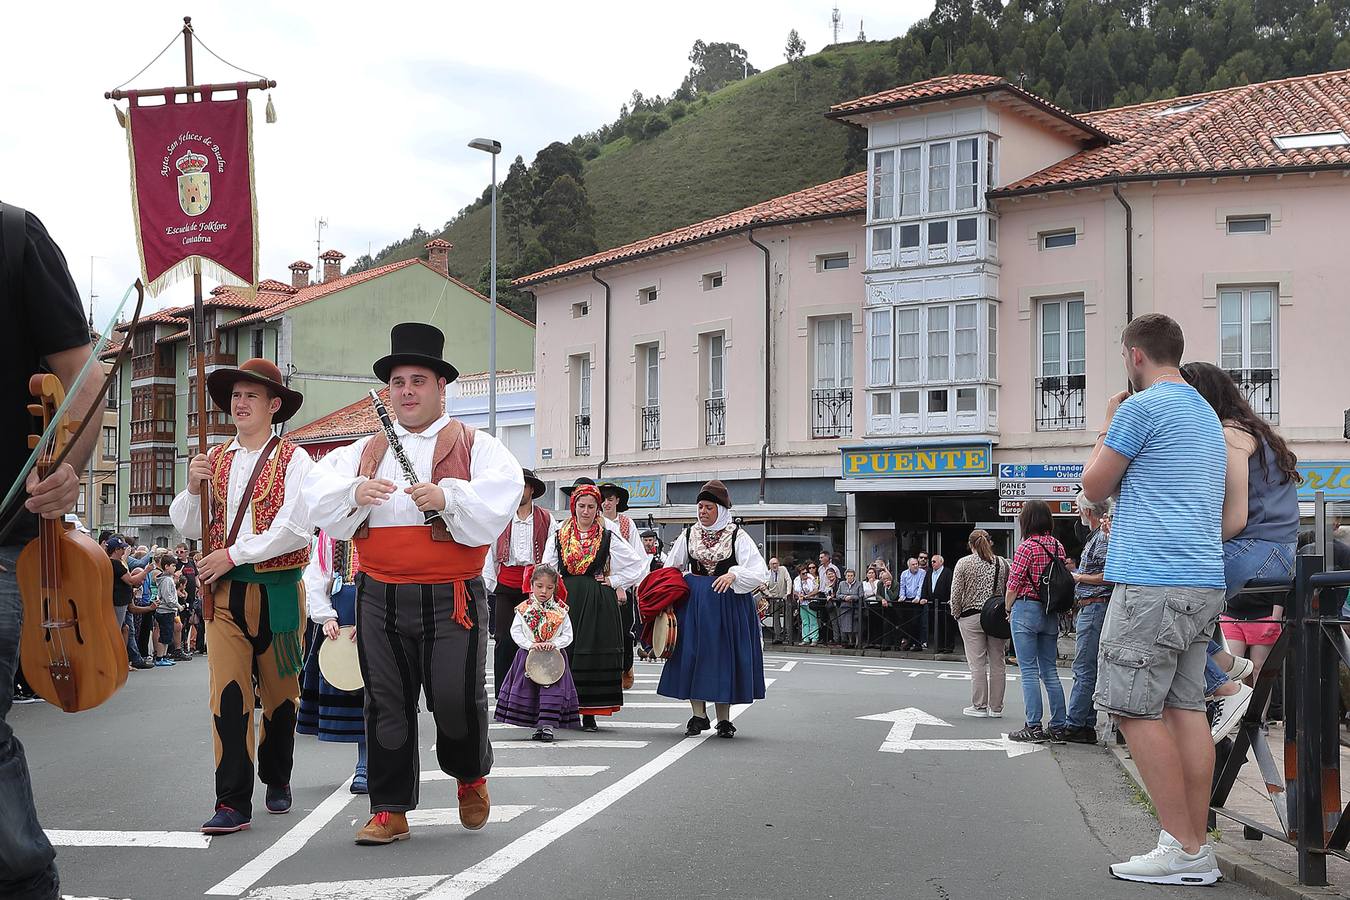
594,560
541,623
719,656
613,505
330,597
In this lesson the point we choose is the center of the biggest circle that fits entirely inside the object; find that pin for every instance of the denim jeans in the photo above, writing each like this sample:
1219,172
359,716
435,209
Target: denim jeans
27,860
1088,626
1035,638
1243,561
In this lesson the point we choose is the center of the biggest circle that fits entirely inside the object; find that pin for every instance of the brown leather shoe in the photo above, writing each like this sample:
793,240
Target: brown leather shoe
627,681
384,828
474,805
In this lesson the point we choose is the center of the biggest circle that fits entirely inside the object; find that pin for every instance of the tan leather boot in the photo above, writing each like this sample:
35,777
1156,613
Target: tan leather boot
384,828
474,805
627,681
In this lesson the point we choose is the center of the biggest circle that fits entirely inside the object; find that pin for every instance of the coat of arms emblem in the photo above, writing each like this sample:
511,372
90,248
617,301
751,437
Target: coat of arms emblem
194,184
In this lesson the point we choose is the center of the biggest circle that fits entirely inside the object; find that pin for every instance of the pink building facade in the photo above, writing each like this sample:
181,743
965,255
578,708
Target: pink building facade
859,359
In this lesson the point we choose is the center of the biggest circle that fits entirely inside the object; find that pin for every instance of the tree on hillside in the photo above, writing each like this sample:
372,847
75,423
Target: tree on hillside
795,52
555,161
517,202
566,221
715,65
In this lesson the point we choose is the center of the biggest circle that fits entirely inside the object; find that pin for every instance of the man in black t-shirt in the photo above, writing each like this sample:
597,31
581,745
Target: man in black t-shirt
124,585
192,610
44,328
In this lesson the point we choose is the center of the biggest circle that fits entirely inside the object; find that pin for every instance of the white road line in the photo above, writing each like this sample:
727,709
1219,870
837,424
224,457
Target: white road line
498,815
572,744
789,666
373,889
674,704
287,846
632,724
181,840
527,772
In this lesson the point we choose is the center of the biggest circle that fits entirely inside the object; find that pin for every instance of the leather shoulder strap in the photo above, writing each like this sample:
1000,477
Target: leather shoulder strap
247,500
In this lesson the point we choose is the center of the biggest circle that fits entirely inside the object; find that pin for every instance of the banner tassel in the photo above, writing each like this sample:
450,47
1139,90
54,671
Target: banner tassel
121,116
270,114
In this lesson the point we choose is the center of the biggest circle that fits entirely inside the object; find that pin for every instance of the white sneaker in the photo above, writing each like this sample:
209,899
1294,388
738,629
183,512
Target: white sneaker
1169,864
1242,667
1165,839
1231,709
994,713
975,712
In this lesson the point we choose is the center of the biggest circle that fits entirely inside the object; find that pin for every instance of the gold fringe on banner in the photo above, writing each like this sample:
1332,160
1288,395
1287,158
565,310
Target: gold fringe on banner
270,114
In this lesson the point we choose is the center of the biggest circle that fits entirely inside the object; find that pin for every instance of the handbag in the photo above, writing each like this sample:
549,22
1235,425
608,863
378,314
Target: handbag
994,615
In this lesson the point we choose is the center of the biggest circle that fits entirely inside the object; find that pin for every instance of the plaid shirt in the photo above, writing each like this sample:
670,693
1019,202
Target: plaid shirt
1029,562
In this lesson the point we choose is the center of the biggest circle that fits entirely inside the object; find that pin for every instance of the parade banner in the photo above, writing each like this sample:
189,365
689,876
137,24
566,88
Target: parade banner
192,192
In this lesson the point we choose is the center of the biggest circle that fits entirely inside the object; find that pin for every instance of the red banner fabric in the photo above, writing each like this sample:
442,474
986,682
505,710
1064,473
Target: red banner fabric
192,190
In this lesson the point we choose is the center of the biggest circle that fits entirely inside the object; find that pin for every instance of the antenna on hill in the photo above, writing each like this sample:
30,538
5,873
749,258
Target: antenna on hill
319,225
862,36
834,24
1021,80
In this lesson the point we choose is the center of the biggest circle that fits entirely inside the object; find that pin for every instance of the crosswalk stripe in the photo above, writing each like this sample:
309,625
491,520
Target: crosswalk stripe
527,772
674,704
498,815
573,744
180,840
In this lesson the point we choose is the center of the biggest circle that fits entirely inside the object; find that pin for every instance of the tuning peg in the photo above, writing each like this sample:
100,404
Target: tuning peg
72,426
35,409
33,441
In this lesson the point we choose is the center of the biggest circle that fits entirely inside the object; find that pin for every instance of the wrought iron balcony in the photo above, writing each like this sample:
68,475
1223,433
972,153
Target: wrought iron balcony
581,435
715,421
1060,403
651,428
831,412
1261,387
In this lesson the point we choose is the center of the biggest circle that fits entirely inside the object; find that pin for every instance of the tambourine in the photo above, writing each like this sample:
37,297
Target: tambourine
544,667
665,631
339,663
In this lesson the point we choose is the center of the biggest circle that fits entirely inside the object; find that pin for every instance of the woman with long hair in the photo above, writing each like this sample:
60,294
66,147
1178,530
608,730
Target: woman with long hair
1035,632
1260,533
977,577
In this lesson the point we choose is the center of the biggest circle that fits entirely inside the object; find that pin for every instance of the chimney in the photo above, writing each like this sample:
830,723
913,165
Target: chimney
300,274
438,255
332,264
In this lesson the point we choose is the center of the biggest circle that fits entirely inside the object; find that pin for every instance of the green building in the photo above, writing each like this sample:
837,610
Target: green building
324,336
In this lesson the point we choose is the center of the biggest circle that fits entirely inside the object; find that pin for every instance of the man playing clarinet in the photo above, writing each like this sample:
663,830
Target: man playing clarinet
421,609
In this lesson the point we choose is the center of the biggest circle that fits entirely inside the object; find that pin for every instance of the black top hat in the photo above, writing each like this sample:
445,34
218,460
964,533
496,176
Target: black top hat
415,344
533,482
610,489
220,385
567,491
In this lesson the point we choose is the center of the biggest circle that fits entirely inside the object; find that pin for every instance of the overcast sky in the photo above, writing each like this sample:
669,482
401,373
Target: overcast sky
375,104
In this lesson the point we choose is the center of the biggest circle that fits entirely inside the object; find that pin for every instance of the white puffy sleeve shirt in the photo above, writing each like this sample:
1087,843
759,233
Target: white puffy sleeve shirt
626,565
476,511
749,572
290,529
520,633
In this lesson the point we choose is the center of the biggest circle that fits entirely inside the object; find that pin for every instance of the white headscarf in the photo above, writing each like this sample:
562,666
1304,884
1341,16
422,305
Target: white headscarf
723,519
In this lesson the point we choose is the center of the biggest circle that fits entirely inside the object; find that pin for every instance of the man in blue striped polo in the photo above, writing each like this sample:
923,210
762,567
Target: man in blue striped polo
1162,448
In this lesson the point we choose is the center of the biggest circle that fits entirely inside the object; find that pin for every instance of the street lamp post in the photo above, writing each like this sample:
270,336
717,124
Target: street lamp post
488,145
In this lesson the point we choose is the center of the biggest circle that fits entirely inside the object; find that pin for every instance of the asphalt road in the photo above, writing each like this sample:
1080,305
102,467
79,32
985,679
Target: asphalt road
803,803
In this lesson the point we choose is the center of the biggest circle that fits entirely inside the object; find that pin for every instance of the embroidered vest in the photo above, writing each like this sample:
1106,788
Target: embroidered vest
451,459
268,496
542,521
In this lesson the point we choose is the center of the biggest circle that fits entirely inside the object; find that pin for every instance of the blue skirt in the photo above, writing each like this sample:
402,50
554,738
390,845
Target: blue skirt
331,714
718,656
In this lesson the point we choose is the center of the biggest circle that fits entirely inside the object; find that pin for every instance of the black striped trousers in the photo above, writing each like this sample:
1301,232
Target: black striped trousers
408,641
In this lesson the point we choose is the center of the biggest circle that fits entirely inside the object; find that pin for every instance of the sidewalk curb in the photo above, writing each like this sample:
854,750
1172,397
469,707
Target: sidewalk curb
1063,662
1238,866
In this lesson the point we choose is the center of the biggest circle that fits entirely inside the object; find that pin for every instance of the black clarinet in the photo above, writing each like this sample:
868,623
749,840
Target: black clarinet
397,446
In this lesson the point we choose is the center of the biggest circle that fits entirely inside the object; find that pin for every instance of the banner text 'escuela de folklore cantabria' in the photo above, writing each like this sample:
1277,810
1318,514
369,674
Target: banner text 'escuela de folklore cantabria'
192,191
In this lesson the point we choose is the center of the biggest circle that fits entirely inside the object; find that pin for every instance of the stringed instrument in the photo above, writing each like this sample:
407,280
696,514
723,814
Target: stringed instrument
71,649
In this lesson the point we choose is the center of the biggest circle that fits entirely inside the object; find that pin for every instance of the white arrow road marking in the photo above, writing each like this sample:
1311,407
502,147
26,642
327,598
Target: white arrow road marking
499,814
904,721
181,840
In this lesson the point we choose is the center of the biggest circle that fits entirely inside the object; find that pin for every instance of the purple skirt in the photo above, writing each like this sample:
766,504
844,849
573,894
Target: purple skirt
522,702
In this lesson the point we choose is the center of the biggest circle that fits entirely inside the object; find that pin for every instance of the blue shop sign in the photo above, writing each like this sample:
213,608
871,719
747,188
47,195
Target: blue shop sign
1332,478
1041,472
641,491
918,462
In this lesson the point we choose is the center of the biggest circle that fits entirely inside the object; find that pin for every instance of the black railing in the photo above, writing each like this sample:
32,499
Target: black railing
581,438
831,412
651,428
1261,387
715,421
1060,403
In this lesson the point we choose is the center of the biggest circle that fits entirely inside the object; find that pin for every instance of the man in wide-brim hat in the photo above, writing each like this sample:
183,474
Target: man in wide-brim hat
255,554
613,505
519,546
421,609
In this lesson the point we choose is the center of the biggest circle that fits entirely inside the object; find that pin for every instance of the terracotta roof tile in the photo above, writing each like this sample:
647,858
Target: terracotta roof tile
355,420
438,244
841,197
1226,132
272,286
300,264
332,254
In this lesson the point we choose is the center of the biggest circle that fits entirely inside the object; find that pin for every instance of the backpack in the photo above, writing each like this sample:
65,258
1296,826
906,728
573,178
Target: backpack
1055,585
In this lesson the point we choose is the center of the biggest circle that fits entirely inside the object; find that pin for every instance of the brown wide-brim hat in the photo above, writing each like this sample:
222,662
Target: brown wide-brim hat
716,492
534,483
220,385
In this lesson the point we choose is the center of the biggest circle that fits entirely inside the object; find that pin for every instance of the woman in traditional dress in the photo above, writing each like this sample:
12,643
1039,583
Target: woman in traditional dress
719,656
330,598
594,560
